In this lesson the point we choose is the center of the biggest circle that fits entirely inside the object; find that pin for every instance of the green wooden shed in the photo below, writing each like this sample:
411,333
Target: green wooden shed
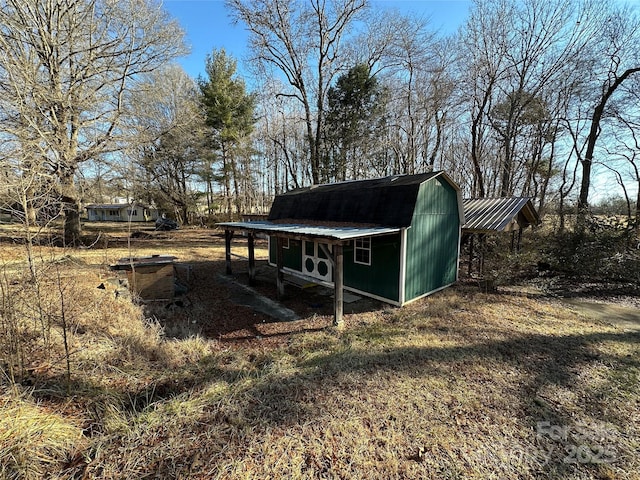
395,238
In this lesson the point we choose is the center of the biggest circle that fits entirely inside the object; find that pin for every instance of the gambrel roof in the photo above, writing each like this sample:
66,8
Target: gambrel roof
388,201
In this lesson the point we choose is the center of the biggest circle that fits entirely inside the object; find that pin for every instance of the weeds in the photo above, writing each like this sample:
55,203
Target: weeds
11,345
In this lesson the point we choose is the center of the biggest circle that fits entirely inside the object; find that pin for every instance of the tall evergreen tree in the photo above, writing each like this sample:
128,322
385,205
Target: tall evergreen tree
229,112
352,117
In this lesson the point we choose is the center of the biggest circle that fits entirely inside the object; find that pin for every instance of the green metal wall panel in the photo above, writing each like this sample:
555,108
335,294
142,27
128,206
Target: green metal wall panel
432,240
291,257
381,277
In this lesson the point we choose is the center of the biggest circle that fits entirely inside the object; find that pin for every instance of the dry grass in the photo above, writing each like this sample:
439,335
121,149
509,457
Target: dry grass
33,440
457,385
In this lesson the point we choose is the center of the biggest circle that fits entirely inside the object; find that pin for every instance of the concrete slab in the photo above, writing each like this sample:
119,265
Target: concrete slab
248,297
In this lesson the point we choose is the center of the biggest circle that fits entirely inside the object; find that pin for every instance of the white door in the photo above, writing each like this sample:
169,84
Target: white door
315,262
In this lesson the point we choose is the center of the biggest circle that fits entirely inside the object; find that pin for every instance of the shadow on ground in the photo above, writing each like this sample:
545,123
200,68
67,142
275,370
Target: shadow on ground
298,398
226,308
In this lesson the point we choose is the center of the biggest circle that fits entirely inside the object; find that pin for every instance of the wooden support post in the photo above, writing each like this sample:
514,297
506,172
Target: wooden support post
519,245
513,240
228,235
338,285
252,258
470,255
483,244
280,265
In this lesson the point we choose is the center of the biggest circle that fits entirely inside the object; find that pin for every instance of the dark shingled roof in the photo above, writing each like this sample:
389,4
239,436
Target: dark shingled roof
387,201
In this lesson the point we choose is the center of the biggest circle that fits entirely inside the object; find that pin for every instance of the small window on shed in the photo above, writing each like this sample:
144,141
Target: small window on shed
362,251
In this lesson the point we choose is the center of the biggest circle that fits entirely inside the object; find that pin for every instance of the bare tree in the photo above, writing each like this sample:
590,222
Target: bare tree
484,46
627,147
618,49
65,71
516,52
301,40
171,122
280,137
408,59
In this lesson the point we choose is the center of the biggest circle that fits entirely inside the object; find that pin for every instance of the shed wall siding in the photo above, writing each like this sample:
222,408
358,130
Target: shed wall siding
381,277
432,240
291,257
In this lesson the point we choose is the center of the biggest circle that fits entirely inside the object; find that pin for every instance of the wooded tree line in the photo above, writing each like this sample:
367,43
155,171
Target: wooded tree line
526,98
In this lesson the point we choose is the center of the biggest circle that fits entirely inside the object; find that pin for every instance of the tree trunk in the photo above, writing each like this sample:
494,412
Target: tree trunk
236,189
227,185
439,126
594,132
71,212
314,160
475,140
29,209
637,219
209,195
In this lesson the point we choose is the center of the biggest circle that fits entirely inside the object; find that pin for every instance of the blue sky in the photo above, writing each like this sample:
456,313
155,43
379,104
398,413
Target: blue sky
208,26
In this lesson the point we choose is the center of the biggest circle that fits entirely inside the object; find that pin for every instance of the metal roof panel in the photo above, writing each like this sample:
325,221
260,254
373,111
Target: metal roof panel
496,214
346,232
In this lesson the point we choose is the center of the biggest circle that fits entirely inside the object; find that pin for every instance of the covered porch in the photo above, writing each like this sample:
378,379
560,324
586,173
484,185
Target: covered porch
330,241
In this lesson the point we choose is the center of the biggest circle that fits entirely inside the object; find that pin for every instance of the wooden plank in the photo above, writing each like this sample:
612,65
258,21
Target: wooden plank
519,244
153,282
470,270
252,259
327,253
279,266
228,235
338,283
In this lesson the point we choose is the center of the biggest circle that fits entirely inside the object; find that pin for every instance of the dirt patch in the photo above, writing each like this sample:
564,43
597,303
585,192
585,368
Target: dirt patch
624,294
628,319
219,307
613,303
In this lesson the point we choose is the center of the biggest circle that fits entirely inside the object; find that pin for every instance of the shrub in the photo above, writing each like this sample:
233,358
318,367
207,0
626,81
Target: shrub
605,249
